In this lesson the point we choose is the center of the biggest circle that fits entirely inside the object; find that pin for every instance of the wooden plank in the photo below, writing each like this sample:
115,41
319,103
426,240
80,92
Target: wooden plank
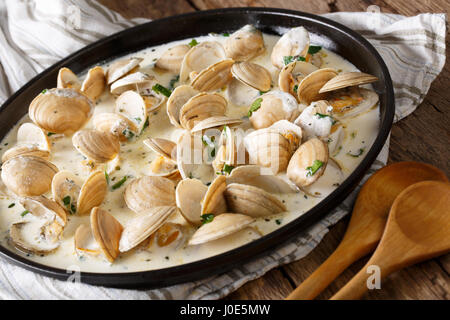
152,9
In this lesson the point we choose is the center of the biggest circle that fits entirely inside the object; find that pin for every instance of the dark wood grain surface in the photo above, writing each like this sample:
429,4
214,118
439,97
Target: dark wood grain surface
422,136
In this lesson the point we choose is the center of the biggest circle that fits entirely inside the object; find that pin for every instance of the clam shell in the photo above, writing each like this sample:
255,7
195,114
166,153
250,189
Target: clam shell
25,151
67,80
369,99
308,88
170,234
347,79
165,167
253,75
177,99
222,225
28,175
163,147
137,81
107,232
244,44
30,134
21,232
172,58
241,94
304,157
292,74
201,57
214,201
130,104
64,184
92,193
275,105
60,110
120,68
85,241
295,42
147,192
94,84
215,121
201,106
231,151
214,77
189,194
143,225
45,209
115,124
96,145
252,201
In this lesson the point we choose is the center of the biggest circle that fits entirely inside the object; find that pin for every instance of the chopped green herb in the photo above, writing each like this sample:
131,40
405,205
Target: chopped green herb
314,49
296,88
50,134
66,200
119,183
353,134
313,169
321,116
209,142
278,221
11,205
128,134
190,175
289,59
193,43
69,205
173,81
44,91
107,177
73,209
145,124
360,152
138,119
161,89
207,218
23,214
226,34
225,170
255,106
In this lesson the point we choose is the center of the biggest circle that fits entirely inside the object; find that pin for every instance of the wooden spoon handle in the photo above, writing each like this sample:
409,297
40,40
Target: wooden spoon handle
337,262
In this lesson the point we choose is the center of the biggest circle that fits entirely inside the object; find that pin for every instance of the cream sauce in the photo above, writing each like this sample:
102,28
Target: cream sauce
135,158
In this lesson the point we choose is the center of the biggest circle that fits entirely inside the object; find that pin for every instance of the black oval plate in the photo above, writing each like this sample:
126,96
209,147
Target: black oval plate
333,36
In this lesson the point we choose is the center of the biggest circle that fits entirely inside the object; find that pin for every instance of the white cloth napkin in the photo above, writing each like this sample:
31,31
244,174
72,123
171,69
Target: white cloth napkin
37,33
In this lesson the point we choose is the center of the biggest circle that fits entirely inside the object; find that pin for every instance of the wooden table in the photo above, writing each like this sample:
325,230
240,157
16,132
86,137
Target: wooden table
422,136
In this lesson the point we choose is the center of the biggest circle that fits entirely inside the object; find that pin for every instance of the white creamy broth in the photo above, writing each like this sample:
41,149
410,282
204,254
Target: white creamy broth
135,158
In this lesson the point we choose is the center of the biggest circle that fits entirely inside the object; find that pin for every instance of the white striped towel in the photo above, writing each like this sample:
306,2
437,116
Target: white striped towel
34,35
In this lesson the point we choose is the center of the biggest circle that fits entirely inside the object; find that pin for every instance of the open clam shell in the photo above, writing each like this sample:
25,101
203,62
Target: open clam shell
67,79
176,101
293,43
189,195
92,193
163,147
352,101
95,145
120,68
143,225
252,201
25,151
85,242
292,74
253,75
115,124
201,57
66,190
60,110
215,121
94,84
201,106
21,232
214,200
308,89
222,226
147,192
165,167
308,163
275,105
107,232
28,175
45,209
244,44
241,94
170,234
172,58
347,79
132,105
214,77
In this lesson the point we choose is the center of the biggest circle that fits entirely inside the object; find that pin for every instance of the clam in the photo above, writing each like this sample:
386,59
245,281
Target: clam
46,209
115,124
144,193
176,101
350,102
316,119
201,106
165,167
122,67
96,145
163,147
131,104
347,79
60,110
293,43
28,175
308,89
253,75
189,194
67,80
252,175
214,77
215,121
201,57
21,232
172,58
308,163
143,225
94,84
241,94
244,44
67,192
214,200
169,234
85,242
221,226
273,106
252,201
232,150
25,151
292,74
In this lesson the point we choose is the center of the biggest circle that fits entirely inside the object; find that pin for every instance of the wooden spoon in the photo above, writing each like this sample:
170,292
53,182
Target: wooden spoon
418,228
367,222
